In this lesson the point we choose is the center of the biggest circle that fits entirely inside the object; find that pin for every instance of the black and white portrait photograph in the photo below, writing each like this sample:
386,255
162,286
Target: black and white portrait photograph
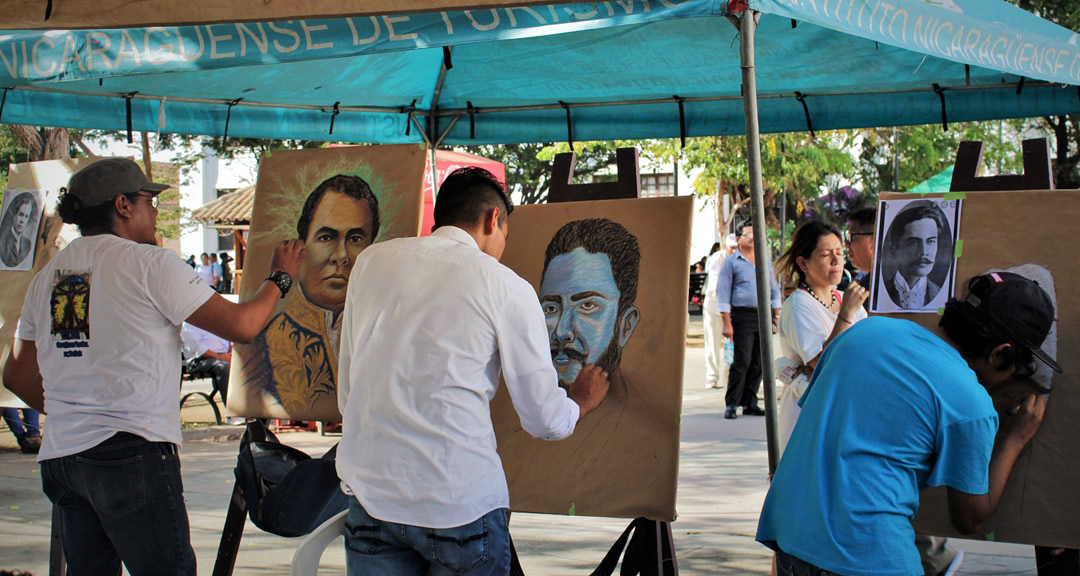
18,227
915,255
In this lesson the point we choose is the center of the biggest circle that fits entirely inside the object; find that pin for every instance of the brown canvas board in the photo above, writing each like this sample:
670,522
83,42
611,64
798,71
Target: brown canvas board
623,459
1000,230
289,370
44,178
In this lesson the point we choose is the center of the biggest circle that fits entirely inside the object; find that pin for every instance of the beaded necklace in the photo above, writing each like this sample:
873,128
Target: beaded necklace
806,287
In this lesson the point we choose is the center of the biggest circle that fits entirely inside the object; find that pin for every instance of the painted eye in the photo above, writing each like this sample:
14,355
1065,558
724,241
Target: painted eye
589,306
550,309
356,238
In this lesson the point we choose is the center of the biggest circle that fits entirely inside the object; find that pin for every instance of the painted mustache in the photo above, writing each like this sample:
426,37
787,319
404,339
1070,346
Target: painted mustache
569,352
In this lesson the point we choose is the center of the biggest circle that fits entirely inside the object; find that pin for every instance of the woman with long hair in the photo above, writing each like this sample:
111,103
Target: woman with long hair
814,314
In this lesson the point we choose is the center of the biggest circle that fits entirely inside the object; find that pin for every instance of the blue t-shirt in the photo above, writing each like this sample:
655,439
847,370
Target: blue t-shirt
890,410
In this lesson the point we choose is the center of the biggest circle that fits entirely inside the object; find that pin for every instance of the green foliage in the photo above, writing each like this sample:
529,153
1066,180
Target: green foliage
11,152
528,166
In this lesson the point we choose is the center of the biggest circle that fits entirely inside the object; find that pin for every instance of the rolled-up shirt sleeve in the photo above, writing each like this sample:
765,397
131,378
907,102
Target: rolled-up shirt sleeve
724,280
544,408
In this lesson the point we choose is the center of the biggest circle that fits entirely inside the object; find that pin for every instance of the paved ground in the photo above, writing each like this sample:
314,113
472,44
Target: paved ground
722,483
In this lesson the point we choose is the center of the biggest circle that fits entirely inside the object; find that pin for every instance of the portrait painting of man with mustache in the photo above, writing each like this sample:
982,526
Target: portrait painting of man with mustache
917,258
588,262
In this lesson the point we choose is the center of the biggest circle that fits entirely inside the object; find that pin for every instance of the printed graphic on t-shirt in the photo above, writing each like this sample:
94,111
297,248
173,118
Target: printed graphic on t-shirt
70,307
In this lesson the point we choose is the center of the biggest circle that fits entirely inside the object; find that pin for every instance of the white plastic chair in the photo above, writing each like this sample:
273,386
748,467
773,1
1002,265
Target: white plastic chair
305,560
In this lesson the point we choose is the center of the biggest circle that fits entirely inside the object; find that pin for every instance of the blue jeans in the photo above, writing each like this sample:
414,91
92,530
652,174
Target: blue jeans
374,547
788,565
121,501
25,426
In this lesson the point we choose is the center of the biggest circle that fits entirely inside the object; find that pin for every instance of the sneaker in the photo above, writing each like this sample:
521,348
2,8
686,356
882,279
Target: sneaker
730,413
30,444
753,411
710,385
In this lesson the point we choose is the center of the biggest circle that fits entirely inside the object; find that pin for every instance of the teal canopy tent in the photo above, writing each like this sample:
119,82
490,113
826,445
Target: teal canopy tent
617,69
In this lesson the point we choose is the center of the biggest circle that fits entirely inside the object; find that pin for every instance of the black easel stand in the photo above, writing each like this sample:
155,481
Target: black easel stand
229,547
650,552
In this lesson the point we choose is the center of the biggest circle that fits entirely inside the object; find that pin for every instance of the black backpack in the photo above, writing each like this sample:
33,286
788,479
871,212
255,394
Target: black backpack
287,492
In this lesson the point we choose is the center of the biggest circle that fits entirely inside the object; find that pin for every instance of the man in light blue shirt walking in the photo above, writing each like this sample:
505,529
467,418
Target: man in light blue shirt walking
736,299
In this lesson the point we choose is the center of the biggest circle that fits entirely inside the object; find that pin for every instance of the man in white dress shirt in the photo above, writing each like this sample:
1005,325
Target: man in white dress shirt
430,323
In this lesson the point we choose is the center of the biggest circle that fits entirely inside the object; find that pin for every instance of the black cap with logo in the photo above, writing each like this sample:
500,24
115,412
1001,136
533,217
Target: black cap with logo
1016,308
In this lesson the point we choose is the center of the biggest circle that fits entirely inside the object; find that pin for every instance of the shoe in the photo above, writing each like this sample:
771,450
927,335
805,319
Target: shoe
753,411
30,444
710,385
730,413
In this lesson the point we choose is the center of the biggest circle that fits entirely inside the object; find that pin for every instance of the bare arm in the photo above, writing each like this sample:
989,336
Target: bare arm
21,374
242,322
968,511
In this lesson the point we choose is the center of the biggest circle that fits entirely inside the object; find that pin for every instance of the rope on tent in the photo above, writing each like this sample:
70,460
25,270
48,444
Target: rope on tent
127,102
806,110
336,111
682,122
228,117
794,23
967,74
48,9
944,116
3,100
1020,86
569,124
410,110
472,119
447,63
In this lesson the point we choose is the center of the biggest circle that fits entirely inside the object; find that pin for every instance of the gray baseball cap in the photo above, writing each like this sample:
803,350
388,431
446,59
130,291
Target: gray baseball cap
108,178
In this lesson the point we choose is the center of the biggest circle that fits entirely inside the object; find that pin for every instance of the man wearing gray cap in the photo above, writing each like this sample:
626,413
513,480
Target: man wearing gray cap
98,348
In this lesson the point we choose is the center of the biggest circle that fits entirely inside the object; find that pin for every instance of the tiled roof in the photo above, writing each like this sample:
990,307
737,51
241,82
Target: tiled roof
233,208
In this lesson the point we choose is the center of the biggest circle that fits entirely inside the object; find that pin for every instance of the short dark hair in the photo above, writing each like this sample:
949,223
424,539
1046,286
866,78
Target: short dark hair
602,236
739,227
918,210
467,195
352,186
89,219
864,218
803,243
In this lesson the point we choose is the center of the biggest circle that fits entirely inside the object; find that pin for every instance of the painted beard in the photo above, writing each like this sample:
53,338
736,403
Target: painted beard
608,361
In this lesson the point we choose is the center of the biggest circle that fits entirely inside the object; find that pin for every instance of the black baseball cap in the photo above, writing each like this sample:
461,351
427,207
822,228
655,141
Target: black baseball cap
108,178
1016,308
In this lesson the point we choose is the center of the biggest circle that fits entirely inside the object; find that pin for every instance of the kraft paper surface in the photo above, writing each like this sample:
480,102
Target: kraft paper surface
289,370
47,177
623,459
1003,230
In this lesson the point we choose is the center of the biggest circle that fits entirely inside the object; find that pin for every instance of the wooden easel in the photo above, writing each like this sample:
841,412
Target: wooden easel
649,546
1037,175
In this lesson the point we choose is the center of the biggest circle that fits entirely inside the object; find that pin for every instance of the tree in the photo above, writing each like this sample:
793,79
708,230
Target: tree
528,166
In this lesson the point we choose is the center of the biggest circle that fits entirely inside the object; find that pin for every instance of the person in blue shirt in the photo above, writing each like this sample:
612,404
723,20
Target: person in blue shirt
736,301
880,423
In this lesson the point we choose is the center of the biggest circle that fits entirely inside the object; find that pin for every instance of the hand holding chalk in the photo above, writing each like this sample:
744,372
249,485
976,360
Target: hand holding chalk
589,389
1022,426
854,296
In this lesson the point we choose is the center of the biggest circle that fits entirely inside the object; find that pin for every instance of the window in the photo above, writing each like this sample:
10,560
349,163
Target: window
657,185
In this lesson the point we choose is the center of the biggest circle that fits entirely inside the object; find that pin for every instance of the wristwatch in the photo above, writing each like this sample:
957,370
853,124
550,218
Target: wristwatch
282,279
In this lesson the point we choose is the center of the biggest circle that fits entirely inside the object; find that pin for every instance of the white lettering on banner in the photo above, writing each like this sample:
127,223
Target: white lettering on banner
214,39
1057,63
903,29
13,64
376,30
995,56
34,57
554,14
260,41
98,47
583,15
1074,68
671,4
25,68
449,25
285,32
69,43
150,59
393,36
180,42
126,39
486,27
307,34
513,20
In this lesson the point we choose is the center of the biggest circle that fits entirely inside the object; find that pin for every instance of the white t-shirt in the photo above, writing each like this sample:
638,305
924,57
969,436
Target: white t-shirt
206,272
804,326
105,315
429,324
712,267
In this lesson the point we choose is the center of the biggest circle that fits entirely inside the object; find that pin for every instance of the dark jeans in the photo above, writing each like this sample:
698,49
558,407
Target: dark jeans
218,371
744,377
25,426
788,565
374,547
121,501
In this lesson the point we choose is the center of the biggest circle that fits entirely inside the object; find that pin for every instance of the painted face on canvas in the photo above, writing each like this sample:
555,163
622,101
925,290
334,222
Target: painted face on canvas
340,229
581,305
917,249
22,218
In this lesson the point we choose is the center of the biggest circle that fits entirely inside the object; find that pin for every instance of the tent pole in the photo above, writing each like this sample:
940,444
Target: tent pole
747,26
